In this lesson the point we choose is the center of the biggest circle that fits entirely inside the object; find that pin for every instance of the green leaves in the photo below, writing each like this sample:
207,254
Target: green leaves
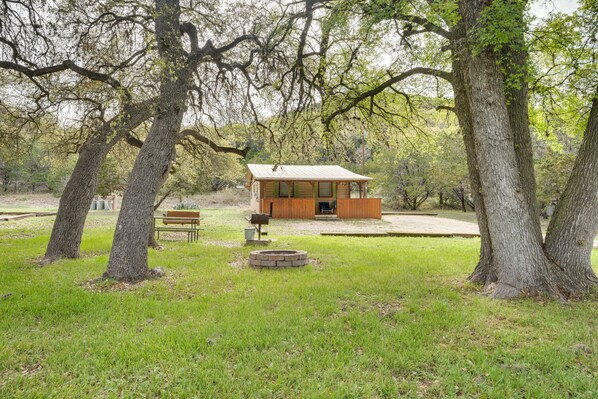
501,25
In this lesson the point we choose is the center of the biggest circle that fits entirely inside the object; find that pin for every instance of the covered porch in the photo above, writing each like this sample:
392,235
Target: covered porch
304,192
306,200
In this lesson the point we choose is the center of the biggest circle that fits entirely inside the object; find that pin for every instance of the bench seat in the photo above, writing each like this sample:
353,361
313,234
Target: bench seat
188,221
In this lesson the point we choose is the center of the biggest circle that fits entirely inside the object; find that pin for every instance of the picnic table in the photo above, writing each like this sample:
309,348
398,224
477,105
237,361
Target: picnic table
179,221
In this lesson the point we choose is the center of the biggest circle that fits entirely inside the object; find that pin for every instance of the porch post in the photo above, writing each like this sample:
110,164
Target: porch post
313,196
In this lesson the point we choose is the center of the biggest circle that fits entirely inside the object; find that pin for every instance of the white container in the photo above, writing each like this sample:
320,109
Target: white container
249,233
92,207
100,205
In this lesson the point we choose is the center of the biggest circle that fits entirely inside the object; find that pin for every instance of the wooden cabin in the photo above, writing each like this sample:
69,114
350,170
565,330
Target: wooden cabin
304,192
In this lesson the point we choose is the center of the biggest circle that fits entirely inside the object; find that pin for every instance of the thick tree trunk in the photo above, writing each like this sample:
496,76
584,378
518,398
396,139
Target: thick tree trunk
574,224
518,257
75,201
128,258
483,272
77,196
517,106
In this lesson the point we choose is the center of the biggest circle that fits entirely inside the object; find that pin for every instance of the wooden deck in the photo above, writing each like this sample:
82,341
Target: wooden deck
290,208
359,208
305,208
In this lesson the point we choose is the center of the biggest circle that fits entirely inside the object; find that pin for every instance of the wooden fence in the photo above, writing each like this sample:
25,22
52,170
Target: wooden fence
290,208
359,208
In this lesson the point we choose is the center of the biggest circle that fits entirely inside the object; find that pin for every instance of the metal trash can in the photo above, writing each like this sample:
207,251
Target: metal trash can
249,233
92,207
100,205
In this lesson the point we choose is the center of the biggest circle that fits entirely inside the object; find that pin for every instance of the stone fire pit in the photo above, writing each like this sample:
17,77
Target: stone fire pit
277,259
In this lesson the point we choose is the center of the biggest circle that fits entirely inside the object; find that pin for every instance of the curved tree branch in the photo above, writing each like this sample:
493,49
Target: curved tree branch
427,25
67,65
387,84
203,139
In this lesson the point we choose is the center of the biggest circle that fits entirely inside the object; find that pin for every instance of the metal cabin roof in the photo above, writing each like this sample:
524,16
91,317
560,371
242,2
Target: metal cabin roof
304,173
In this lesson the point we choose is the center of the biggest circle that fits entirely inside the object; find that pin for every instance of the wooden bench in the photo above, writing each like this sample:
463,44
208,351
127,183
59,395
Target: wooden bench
188,220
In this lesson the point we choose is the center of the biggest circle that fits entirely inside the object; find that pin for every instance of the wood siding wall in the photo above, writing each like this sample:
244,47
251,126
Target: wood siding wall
343,190
290,208
268,189
303,189
359,208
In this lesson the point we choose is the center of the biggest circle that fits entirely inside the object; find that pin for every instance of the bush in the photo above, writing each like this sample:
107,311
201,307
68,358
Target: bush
109,178
185,205
59,175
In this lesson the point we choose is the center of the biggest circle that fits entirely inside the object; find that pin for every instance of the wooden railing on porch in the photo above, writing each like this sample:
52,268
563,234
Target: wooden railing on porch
359,208
290,208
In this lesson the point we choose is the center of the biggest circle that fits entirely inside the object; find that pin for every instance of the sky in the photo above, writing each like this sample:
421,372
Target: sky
540,8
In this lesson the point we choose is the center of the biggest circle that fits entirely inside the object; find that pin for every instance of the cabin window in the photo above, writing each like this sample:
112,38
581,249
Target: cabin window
283,190
325,189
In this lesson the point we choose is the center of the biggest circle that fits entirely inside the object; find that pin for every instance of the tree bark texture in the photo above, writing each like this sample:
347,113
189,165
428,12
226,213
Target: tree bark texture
574,224
483,272
75,201
128,258
518,256
517,107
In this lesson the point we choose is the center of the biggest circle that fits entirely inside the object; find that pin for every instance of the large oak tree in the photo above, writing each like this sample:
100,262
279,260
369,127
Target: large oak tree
488,54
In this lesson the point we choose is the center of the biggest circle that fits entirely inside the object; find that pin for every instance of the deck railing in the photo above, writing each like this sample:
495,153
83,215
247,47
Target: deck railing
290,208
305,208
359,208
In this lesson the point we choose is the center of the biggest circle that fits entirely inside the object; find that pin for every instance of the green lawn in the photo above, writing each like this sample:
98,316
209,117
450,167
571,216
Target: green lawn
373,317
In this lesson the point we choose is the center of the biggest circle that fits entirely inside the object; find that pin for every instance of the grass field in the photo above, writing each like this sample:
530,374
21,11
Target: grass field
373,317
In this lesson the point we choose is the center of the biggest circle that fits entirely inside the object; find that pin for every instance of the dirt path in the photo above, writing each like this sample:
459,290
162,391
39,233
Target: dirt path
389,223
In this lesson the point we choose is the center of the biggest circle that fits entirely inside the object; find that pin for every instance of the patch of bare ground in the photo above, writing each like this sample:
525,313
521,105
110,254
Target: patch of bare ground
240,261
227,198
226,244
170,236
107,285
316,263
101,284
426,385
28,200
387,309
31,369
463,285
25,370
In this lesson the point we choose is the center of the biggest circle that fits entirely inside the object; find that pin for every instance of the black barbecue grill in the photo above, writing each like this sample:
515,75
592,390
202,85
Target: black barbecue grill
259,219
